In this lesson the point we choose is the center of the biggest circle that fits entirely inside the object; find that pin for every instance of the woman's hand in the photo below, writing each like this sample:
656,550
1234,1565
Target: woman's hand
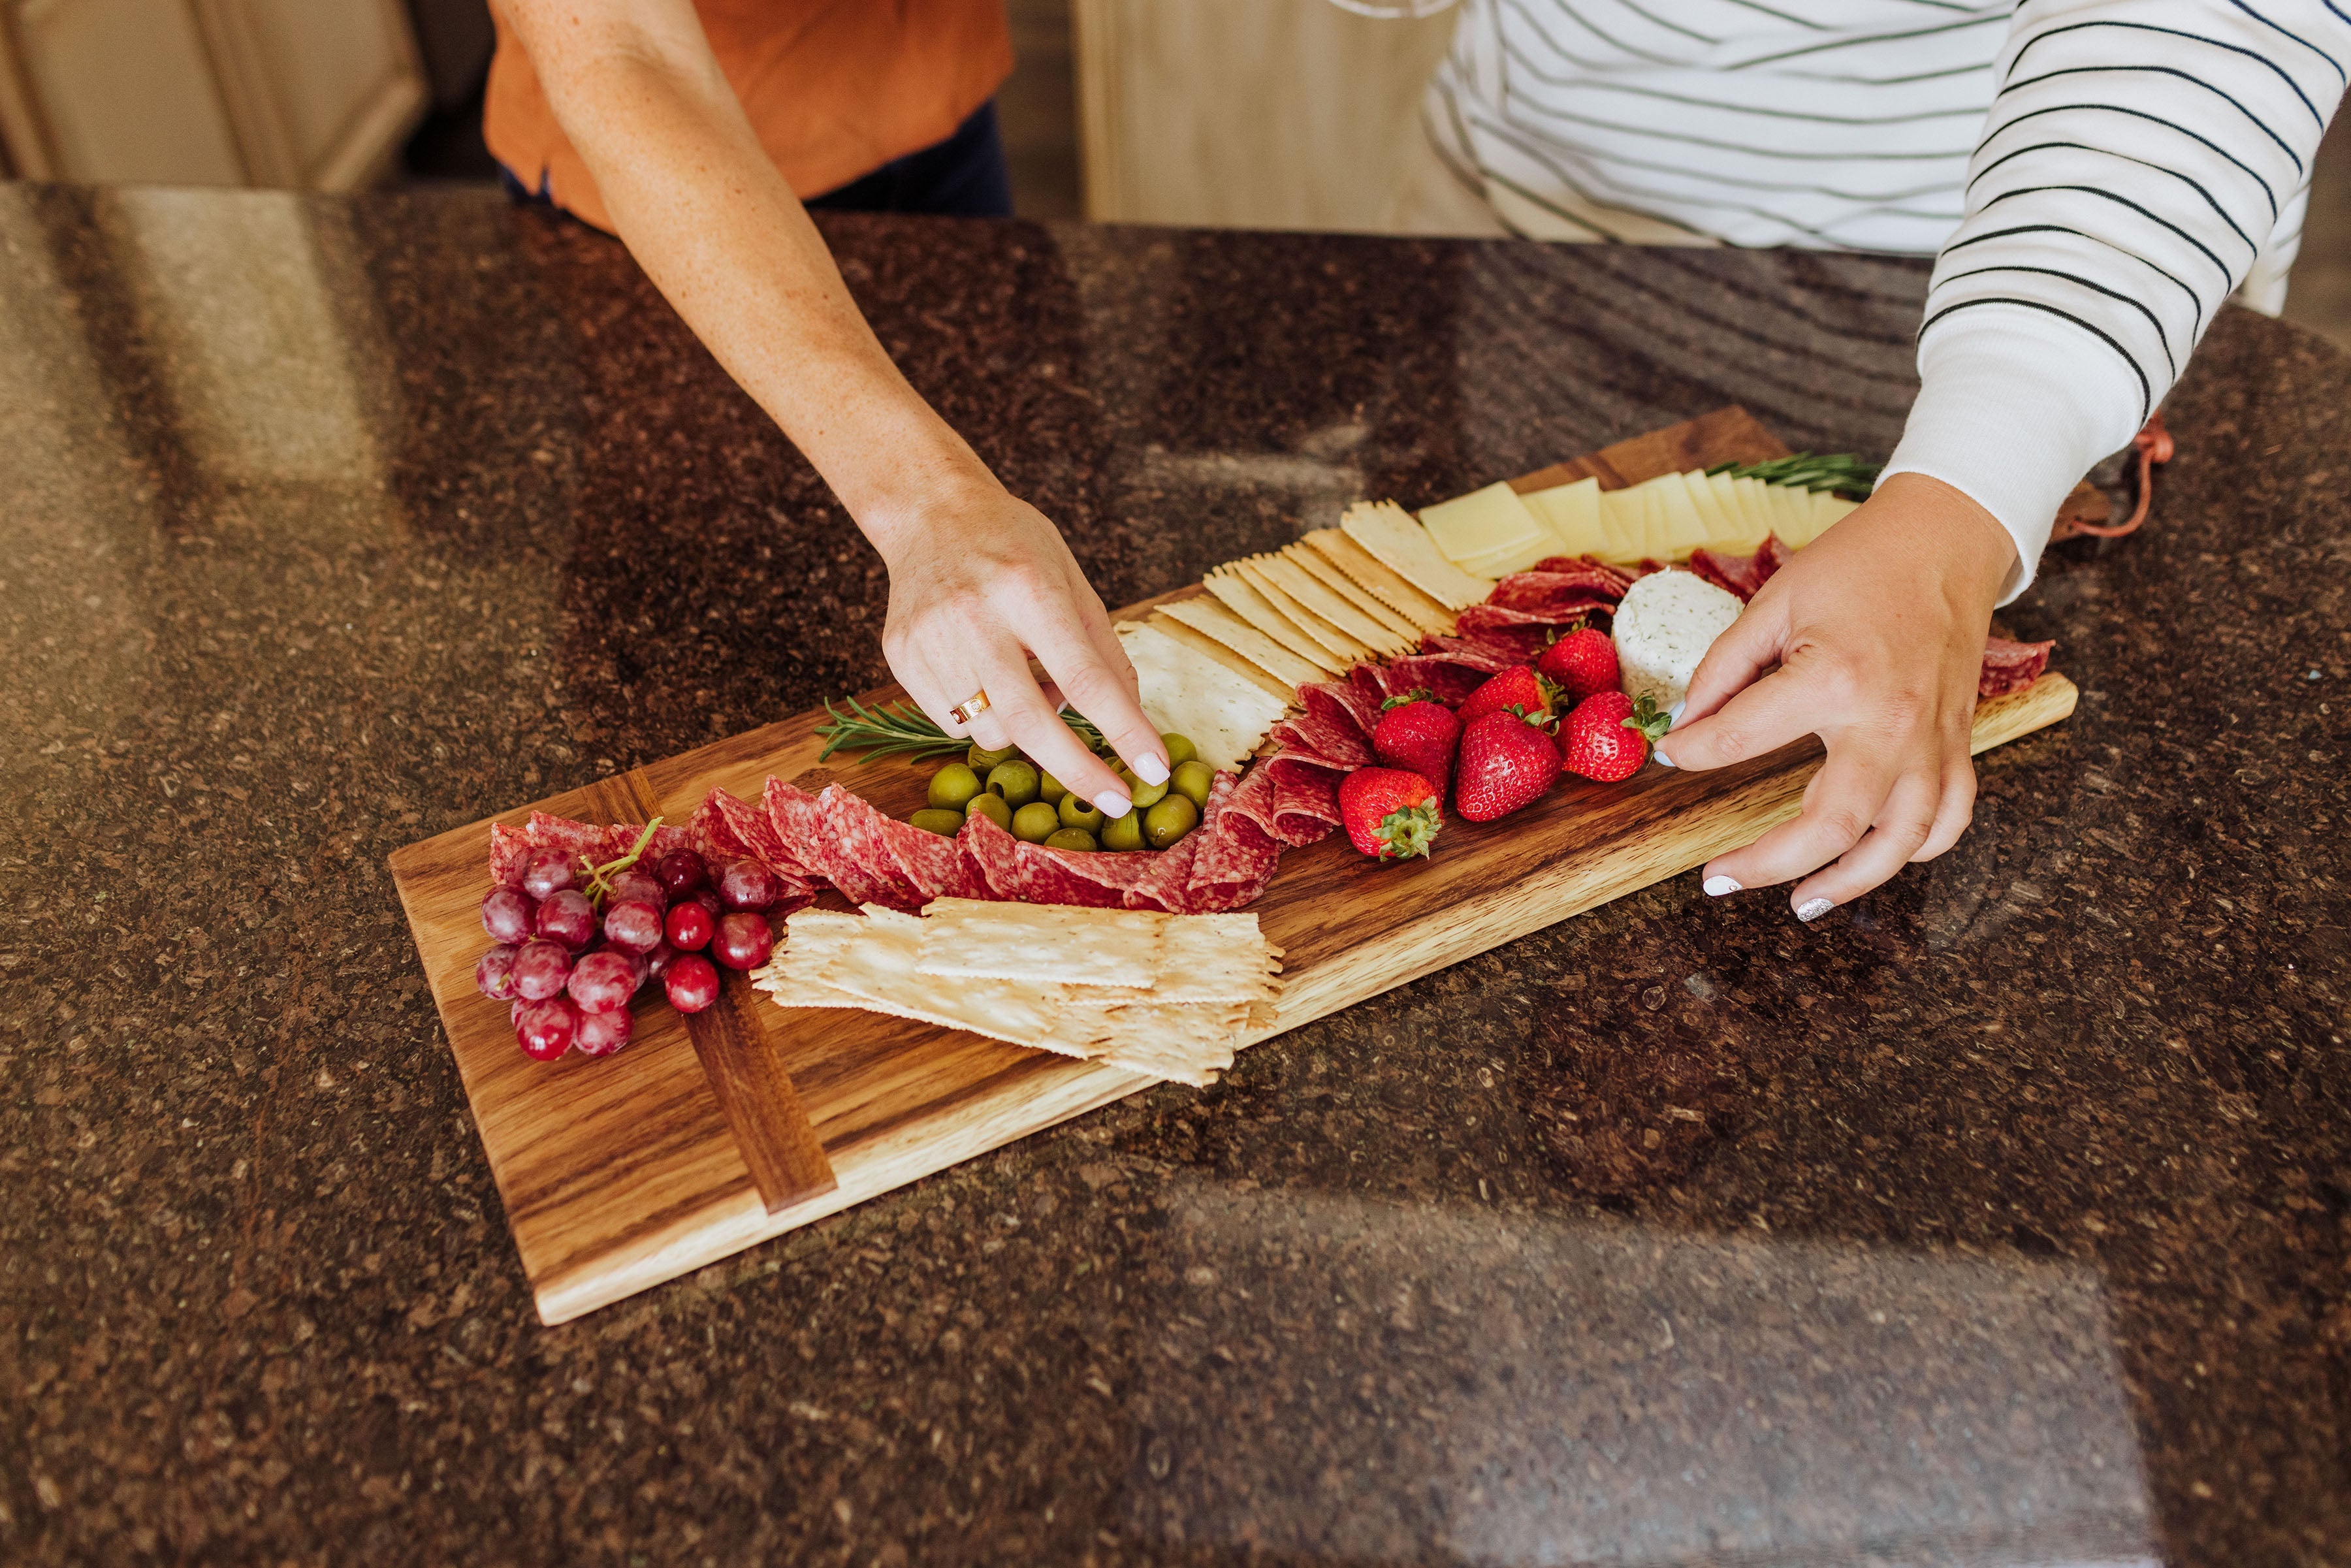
979,583
1878,628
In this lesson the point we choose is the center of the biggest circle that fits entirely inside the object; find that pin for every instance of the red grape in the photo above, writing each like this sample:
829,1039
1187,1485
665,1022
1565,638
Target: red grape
633,925
494,976
515,1012
547,1029
506,914
602,981
743,941
548,871
748,886
689,927
602,1034
706,900
692,984
540,969
569,918
655,963
637,885
681,872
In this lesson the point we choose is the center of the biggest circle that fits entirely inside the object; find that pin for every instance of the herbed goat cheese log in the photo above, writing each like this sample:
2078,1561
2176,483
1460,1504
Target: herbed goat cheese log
1663,626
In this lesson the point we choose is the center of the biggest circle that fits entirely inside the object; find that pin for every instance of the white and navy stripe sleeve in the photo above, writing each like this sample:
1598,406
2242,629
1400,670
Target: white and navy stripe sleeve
2142,160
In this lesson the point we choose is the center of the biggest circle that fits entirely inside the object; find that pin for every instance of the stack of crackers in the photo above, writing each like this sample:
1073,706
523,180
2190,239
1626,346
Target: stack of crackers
1172,996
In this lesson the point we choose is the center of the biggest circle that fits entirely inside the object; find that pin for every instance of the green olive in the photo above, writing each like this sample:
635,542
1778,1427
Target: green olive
1072,839
1145,796
1180,748
1122,832
1192,780
1015,783
953,787
1169,820
938,820
1051,790
993,808
1077,811
1036,823
981,761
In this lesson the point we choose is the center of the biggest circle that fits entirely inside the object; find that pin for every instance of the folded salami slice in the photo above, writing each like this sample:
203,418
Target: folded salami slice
863,833
1482,657
1237,857
1437,674
1544,590
597,844
754,830
1345,701
1334,739
509,851
1592,565
1740,574
2011,667
1097,879
805,826
931,864
1305,801
994,855
1162,885
1480,619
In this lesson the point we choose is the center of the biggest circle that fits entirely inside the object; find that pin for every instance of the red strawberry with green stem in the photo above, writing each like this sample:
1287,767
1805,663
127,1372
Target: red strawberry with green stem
1505,763
1609,736
1580,664
1517,690
1418,734
1389,813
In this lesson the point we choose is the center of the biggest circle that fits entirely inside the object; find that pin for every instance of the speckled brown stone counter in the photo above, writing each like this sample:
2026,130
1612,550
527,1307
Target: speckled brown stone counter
2001,1216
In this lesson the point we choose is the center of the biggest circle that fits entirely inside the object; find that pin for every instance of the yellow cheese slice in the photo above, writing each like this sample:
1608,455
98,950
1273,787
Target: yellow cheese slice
1208,616
1488,522
1756,496
1684,529
1571,513
1622,514
1404,546
1334,609
1792,518
1246,601
1335,641
1424,614
1720,532
1831,508
1747,533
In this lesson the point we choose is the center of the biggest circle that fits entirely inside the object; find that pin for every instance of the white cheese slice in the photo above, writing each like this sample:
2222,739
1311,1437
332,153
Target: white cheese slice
1830,508
1488,522
1222,714
1663,626
1501,563
1571,513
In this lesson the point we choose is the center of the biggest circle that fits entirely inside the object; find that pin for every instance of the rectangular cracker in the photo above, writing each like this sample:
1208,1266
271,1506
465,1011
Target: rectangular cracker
1404,546
1334,641
1246,602
1314,564
1424,614
1208,615
1040,943
1210,648
1335,608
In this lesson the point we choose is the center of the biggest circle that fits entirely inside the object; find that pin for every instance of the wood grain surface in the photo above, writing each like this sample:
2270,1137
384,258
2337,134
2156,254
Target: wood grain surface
699,1139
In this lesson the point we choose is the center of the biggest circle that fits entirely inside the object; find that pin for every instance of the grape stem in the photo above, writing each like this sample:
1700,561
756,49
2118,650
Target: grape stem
600,877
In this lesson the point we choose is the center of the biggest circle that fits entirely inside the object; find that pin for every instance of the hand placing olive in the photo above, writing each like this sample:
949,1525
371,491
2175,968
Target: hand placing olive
1180,748
1035,822
1192,780
979,759
1122,833
1169,820
1145,796
1079,813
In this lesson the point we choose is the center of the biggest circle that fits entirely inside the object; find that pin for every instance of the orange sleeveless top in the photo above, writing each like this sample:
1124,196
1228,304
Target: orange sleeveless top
834,88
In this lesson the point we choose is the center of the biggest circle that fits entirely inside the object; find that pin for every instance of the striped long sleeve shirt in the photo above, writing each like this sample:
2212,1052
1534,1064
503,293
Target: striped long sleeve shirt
2094,177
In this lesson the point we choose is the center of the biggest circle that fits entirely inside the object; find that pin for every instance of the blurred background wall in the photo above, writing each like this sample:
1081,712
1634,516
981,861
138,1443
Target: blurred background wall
1253,113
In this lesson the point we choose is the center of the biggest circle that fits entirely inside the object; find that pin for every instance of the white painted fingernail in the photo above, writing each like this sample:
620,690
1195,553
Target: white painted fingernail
1812,909
1716,886
1111,803
1151,770
1674,714
1661,759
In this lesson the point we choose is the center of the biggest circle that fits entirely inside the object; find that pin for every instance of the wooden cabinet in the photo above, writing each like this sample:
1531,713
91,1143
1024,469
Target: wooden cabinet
207,92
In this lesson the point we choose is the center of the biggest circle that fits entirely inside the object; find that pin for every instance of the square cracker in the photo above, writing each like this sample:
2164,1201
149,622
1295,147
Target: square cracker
1422,612
1336,642
1207,615
1243,600
1102,957
1307,588
1404,546
1191,695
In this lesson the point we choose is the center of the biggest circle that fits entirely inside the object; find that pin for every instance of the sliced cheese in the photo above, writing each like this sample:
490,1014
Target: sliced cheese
1224,714
1404,546
1208,616
1316,565
1623,517
1335,642
1571,513
1501,563
1720,531
1684,529
1425,614
1488,522
1746,535
1756,496
1245,601
1334,609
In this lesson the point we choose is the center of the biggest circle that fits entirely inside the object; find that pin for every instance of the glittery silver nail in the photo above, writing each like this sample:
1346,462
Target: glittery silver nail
1812,909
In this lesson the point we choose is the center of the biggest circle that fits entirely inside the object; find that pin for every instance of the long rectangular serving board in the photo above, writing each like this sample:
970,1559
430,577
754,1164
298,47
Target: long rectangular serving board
706,1135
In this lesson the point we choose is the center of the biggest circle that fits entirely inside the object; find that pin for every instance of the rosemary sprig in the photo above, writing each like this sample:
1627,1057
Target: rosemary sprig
1845,473
902,729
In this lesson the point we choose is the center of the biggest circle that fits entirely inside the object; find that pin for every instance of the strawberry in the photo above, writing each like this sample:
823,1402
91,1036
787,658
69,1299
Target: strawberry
1418,735
1580,664
1505,763
1389,813
1517,690
1609,736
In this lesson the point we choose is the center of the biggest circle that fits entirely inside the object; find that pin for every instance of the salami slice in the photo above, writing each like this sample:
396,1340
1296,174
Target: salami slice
756,831
1162,884
1591,565
1253,799
1097,879
1320,735
1434,673
1481,657
1740,574
1480,620
1236,860
1348,701
2011,667
1305,801
508,852
1545,589
993,854
930,863
801,822
863,834
711,835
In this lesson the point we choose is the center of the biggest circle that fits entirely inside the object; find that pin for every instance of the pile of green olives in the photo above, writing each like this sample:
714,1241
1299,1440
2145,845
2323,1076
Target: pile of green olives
1031,804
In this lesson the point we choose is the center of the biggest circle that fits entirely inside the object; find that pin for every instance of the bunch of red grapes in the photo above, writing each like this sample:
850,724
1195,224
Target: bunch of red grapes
570,971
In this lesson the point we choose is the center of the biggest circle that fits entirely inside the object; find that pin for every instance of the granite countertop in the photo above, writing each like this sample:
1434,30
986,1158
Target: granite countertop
2000,1216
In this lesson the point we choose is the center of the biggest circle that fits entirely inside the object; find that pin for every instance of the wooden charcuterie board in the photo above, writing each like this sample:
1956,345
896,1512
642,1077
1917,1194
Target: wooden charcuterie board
704,1137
